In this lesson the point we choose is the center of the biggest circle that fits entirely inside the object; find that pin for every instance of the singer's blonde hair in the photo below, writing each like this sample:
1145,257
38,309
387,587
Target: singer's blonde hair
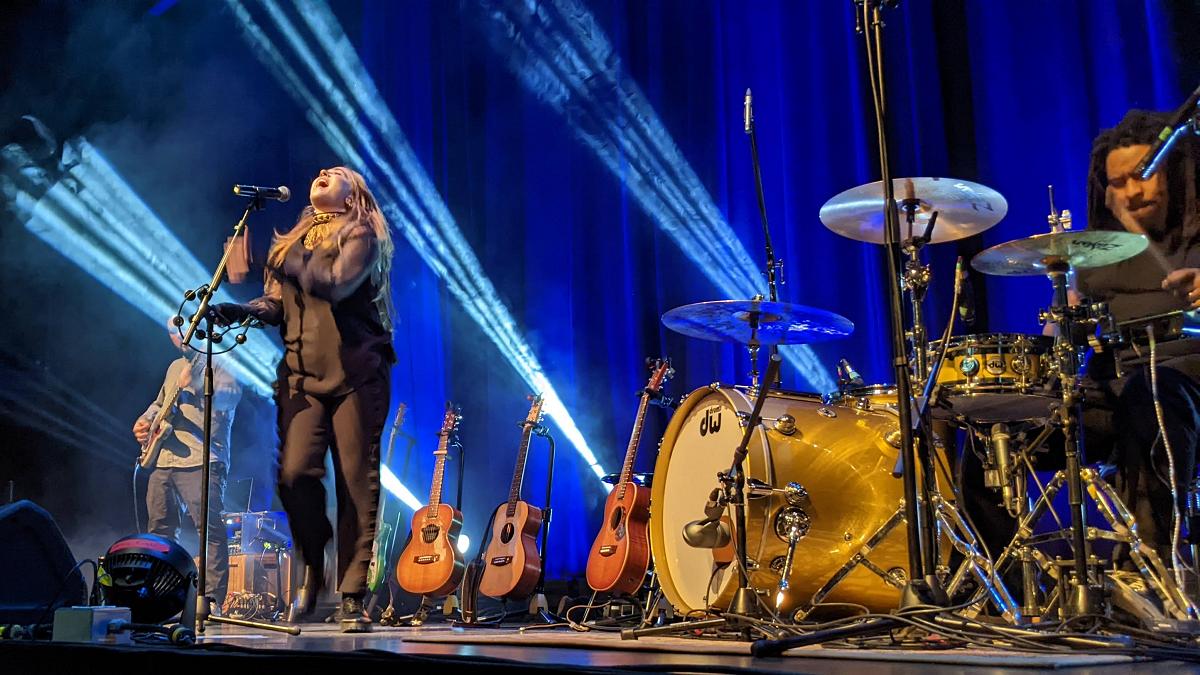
362,209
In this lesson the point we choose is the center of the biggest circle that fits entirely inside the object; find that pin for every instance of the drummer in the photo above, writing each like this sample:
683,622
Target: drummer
1164,278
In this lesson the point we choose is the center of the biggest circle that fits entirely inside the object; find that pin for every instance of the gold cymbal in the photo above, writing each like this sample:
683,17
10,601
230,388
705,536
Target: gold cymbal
1080,249
964,209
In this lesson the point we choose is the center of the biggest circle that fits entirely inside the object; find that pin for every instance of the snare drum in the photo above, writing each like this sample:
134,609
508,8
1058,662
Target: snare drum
996,377
842,454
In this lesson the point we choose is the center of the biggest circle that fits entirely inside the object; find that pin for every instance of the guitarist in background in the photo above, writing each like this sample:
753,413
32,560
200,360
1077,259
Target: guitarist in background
177,476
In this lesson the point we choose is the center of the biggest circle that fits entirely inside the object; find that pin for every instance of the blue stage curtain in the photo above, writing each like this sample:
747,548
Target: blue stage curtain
1008,94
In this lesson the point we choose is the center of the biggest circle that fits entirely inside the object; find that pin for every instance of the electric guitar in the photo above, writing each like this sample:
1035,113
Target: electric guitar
381,550
511,563
620,554
161,427
431,563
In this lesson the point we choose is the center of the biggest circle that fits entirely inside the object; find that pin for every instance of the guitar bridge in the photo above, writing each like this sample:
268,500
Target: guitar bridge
607,550
426,559
501,560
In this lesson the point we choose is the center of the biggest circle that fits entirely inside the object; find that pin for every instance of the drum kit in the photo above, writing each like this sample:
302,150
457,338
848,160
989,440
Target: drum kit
823,498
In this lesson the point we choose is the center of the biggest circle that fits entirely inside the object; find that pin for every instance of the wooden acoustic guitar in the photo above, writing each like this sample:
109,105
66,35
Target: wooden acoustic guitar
511,563
620,554
431,563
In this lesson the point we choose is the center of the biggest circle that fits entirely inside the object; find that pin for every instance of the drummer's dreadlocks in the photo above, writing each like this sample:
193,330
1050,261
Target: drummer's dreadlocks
1140,127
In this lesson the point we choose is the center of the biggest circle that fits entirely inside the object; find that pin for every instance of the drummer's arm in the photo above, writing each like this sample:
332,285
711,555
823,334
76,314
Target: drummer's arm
1074,297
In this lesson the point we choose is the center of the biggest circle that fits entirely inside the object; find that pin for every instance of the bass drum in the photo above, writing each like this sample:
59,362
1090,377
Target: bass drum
842,454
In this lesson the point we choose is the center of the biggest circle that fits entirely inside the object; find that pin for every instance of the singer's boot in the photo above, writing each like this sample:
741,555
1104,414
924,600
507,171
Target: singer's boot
354,619
306,599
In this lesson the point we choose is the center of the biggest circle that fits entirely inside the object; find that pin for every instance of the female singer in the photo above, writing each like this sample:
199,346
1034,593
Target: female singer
327,289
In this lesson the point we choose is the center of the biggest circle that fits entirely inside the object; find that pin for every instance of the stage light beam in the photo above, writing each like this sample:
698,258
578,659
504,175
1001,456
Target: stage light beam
123,244
345,106
558,51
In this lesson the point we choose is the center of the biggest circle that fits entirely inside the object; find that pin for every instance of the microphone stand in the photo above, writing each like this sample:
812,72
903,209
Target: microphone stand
743,611
203,610
1183,120
922,587
773,266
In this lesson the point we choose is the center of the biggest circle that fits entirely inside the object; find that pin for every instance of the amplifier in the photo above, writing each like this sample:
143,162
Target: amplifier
262,573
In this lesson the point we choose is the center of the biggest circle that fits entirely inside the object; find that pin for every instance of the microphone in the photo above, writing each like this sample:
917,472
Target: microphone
708,532
1165,139
748,112
966,299
848,374
279,194
1000,440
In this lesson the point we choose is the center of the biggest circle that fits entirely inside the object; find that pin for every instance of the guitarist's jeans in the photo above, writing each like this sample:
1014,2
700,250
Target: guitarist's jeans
350,426
166,490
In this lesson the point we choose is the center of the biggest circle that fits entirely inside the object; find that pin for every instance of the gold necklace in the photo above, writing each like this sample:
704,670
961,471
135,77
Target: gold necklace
319,230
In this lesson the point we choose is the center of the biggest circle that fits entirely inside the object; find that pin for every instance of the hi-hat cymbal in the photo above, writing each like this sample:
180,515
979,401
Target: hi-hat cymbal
1080,249
757,321
964,209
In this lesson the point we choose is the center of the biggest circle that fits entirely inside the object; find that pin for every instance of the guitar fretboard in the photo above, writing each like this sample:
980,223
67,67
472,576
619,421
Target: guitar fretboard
514,493
635,438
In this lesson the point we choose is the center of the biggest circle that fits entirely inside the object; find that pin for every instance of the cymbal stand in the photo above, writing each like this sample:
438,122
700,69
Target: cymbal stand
917,276
1085,591
1023,548
754,345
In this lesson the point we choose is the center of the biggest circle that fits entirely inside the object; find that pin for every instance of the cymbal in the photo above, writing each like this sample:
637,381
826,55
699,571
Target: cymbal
1078,248
964,209
778,322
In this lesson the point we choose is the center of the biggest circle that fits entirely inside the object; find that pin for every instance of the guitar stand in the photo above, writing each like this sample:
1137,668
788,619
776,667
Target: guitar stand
428,609
538,606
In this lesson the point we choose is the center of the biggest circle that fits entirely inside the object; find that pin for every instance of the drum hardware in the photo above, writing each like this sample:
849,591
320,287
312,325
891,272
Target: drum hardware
991,587
1192,513
1023,548
1056,254
917,276
791,524
744,608
794,493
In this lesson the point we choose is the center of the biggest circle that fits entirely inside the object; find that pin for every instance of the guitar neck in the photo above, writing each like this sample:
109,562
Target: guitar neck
439,472
635,439
514,494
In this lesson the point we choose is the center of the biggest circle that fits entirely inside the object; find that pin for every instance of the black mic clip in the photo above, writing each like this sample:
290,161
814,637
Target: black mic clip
657,398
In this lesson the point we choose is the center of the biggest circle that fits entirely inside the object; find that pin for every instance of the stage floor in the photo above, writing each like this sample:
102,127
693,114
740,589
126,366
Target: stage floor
605,650
322,648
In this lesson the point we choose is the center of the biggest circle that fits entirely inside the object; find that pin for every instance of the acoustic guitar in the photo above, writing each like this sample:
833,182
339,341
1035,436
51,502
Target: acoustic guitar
620,554
431,563
511,563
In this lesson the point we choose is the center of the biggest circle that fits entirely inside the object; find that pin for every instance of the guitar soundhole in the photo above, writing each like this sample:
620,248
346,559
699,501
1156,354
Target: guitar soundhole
429,533
617,515
506,534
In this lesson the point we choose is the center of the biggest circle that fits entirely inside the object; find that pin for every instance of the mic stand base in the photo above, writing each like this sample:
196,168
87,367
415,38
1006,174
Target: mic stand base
729,622
744,603
926,592
204,615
